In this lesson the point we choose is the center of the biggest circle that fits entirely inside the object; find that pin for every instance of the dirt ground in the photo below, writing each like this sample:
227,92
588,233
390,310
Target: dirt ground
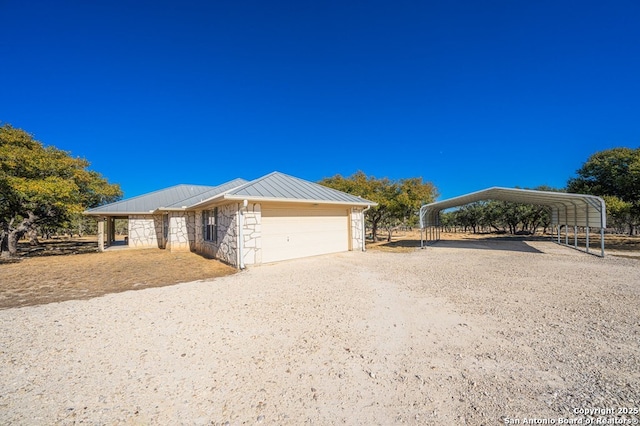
61,270
616,245
464,332
70,269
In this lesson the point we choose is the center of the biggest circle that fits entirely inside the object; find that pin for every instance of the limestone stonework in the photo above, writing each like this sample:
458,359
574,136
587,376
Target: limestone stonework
182,231
228,234
145,231
357,222
252,234
225,249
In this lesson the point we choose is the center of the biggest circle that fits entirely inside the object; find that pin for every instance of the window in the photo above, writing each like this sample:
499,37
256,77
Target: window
210,225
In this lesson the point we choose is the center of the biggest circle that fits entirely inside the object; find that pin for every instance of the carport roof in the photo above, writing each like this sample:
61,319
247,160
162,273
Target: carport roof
567,208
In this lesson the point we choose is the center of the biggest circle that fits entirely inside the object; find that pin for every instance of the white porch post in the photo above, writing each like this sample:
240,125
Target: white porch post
101,234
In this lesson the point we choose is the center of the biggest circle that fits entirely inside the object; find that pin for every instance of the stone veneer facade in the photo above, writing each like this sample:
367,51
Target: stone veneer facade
252,232
186,232
182,231
357,223
225,249
145,231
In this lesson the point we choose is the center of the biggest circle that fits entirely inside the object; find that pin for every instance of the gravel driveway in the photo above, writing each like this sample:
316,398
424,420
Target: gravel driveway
475,333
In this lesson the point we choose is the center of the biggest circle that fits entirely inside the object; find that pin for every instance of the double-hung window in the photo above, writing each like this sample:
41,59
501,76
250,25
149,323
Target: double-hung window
210,225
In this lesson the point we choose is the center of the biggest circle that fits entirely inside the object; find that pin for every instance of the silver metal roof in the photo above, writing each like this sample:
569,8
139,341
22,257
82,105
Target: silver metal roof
272,187
169,198
207,195
278,186
568,209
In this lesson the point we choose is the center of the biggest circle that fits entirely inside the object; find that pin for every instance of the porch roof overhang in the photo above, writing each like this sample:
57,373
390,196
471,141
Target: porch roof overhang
566,208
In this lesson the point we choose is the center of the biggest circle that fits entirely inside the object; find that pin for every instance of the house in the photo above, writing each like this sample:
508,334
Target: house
273,218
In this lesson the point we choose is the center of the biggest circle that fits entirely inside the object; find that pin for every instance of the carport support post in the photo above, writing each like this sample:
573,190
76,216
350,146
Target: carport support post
566,227
587,211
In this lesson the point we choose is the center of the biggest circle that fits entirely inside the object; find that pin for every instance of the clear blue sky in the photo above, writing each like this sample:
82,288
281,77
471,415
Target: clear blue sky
465,94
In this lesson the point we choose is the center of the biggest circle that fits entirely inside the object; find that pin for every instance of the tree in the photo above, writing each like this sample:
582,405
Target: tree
612,173
499,215
398,201
620,213
42,186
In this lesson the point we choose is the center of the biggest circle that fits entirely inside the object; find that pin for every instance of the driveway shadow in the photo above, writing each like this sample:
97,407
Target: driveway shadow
493,243
505,243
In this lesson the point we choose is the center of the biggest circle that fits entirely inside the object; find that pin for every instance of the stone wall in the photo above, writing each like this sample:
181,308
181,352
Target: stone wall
252,234
357,221
227,250
227,230
145,231
182,231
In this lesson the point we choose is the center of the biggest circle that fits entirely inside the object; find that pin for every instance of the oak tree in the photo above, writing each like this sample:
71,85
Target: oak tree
613,174
398,201
42,186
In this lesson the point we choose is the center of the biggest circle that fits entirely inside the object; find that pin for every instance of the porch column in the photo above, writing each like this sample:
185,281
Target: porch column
101,234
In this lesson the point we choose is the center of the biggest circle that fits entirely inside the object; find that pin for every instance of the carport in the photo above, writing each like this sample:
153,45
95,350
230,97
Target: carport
577,210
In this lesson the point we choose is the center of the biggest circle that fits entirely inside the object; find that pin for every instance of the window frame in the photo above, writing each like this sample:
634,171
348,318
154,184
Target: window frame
210,225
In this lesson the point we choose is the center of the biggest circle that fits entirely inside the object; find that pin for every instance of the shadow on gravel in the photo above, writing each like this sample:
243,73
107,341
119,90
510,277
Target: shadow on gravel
511,243
494,243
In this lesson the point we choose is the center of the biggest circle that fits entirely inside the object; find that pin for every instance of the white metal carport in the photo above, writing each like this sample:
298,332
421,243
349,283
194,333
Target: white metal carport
577,210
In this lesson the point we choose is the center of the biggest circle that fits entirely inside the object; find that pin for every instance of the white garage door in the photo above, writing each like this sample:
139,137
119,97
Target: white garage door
292,233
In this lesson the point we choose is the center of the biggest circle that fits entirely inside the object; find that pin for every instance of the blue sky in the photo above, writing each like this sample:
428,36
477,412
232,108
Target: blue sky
465,94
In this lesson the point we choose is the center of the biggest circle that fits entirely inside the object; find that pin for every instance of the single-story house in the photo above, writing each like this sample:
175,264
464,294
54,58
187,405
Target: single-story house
273,218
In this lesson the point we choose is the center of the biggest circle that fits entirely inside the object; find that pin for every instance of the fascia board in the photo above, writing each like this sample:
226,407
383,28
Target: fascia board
117,213
296,200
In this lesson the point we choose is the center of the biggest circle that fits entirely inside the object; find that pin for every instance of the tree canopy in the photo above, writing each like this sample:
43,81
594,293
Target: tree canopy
398,201
613,174
499,216
43,186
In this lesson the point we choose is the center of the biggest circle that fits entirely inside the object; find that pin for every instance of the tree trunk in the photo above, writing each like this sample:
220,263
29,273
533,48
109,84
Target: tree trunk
14,236
4,245
374,231
11,235
33,237
9,245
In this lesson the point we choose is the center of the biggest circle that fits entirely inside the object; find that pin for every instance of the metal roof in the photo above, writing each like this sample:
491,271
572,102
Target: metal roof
177,196
207,195
566,208
278,186
272,187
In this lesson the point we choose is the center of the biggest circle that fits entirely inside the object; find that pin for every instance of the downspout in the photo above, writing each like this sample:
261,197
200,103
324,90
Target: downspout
241,233
364,236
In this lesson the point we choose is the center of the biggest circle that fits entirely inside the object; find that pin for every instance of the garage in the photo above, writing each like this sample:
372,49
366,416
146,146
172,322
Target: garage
289,233
273,218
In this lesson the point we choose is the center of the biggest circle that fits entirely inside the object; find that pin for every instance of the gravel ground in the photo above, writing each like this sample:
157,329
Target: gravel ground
498,334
